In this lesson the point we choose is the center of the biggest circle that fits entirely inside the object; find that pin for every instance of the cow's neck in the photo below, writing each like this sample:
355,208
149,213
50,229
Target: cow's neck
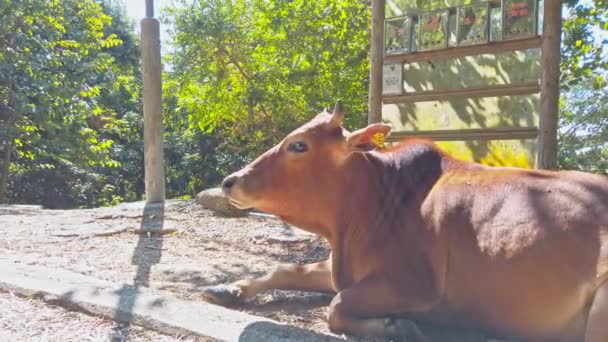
380,206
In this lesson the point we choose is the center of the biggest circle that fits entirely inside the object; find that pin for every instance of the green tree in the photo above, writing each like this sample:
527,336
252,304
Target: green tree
584,129
253,70
74,132
122,100
50,55
583,133
585,43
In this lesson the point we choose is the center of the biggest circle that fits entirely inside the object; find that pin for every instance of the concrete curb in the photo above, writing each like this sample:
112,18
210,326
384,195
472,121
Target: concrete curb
140,306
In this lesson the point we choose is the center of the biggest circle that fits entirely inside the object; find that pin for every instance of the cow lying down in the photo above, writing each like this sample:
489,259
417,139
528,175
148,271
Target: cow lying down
419,236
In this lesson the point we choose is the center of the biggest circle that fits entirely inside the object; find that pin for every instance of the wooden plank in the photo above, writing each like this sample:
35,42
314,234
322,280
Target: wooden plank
468,134
549,96
489,91
376,54
463,51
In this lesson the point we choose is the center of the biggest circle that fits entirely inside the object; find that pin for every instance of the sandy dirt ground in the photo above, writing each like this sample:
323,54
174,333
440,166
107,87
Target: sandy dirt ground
199,249
202,250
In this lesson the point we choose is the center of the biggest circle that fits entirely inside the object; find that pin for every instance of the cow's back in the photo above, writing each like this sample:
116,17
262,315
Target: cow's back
526,248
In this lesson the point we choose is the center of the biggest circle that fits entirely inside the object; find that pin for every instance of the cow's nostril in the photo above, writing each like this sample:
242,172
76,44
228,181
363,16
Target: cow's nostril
229,183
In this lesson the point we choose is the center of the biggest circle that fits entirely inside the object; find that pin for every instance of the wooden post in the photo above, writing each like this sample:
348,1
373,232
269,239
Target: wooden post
549,89
375,69
152,96
5,161
8,116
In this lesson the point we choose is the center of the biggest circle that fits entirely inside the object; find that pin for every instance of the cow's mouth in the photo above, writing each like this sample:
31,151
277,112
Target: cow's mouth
239,204
236,195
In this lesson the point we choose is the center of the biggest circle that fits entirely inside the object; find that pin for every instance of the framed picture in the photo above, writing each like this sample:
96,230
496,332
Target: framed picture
433,30
519,19
473,24
397,35
392,79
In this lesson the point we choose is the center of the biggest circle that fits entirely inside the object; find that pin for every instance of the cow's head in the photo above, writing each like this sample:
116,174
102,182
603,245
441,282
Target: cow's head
298,178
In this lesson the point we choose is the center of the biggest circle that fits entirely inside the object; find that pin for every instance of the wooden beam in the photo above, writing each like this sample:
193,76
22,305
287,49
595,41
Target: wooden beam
463,51
549,96
518,133
489,91
376,54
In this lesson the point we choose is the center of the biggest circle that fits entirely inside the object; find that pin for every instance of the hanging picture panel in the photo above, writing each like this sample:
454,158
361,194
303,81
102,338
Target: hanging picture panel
392,79
435,25
397,35
495,24
473,24
452,29
433,30
518,19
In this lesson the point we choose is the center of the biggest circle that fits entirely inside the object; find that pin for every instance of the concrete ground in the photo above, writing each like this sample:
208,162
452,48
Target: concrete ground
27,288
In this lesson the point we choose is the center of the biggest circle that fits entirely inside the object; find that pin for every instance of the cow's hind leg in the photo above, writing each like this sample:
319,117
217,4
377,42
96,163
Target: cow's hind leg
312,277
597,321
372,308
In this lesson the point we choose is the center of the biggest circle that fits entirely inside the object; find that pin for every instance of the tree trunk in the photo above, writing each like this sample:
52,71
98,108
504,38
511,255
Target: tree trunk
5,161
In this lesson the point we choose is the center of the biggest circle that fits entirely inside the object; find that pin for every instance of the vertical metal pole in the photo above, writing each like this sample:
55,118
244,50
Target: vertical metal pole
152,97
549,88
376,60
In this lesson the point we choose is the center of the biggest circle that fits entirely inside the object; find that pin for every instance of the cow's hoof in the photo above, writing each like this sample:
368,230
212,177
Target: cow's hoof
225,295
403,330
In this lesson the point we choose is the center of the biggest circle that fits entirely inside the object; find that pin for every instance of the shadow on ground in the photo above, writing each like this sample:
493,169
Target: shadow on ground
147,253
272,332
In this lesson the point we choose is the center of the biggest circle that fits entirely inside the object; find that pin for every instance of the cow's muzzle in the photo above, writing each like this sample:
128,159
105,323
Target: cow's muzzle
233,188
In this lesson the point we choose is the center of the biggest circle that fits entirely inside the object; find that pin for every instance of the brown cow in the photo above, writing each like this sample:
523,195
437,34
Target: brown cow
416,233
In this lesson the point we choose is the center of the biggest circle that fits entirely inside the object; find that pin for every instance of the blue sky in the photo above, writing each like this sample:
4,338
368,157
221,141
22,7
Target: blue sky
137,8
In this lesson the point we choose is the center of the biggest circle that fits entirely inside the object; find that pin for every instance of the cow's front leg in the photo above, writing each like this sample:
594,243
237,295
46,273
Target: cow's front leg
371,308
312,277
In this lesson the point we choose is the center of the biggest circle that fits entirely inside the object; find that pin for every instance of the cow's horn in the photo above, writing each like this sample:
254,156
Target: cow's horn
338,114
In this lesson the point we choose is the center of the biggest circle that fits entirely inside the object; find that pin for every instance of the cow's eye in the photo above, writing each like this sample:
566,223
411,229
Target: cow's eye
298,147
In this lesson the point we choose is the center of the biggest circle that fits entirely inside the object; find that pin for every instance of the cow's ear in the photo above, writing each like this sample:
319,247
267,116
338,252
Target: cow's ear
363,139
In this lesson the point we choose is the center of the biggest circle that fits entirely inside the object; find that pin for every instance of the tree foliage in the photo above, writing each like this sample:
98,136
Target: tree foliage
585,44
48,75
256,69
583,132
584,129
58,98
